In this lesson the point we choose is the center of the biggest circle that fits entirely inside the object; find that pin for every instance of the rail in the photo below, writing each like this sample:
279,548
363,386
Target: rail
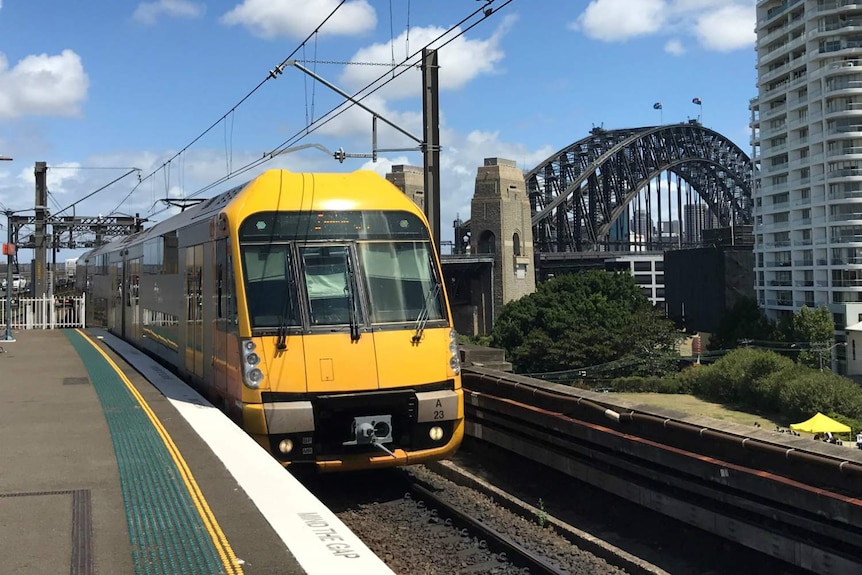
793,499
55,312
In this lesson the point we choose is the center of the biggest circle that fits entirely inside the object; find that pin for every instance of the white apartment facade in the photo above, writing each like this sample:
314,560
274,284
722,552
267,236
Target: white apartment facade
807,141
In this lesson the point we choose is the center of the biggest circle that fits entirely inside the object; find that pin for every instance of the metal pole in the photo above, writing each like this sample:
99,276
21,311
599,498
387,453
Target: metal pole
39,283
431,143
8,302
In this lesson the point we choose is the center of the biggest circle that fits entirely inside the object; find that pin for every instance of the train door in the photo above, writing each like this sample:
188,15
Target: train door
221,290
133,317
337,356
115,299
194,302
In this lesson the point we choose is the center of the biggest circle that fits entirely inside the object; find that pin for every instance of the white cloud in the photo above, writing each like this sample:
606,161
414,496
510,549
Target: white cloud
459,161
298,18
43,85
675,47
463,60
720,25
727,28
148,13
618,20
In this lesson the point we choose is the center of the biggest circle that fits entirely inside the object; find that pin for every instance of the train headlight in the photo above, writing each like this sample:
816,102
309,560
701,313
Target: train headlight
285,446
253,377
435,433
454,357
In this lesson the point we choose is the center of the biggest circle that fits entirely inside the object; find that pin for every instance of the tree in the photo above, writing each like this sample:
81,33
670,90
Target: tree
580,320
813,331
744,321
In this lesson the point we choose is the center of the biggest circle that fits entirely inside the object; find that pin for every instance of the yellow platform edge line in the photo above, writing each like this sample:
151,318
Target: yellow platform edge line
223,548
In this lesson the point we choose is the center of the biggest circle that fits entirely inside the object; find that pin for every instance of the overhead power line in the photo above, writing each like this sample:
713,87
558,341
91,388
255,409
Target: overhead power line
358,96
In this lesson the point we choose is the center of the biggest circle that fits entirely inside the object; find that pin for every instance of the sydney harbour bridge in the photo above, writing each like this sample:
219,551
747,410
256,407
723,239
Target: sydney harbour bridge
638,189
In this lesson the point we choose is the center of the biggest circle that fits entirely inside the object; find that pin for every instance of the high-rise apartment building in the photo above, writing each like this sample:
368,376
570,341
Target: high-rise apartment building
807,139
642,224
695,219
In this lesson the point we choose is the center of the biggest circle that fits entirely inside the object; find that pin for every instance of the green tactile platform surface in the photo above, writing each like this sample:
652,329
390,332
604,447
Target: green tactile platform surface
166,531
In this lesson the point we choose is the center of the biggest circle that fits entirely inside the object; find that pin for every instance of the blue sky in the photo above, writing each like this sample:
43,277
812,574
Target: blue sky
95,87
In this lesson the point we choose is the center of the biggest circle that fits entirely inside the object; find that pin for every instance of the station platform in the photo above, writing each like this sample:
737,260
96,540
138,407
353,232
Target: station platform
111,465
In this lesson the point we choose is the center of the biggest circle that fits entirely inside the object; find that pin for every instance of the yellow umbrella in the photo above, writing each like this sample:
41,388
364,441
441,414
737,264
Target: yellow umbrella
820,424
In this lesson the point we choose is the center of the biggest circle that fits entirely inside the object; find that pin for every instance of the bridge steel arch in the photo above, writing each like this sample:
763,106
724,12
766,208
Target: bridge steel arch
579,193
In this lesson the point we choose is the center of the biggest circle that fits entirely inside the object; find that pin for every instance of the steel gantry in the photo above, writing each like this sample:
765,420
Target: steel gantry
583,196
71,232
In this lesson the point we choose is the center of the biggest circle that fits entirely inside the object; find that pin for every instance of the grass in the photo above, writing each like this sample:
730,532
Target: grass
694,406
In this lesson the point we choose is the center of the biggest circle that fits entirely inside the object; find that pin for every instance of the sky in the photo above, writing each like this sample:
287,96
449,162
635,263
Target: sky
189,93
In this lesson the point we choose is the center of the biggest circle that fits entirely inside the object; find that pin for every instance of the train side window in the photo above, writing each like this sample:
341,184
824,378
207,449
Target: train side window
171,258
154,255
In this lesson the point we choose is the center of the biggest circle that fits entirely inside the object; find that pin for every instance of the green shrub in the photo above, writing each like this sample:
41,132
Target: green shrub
650,384
766,382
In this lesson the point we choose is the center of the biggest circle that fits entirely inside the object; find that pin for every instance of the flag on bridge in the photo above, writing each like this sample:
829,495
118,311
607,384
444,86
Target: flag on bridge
656,106
696,101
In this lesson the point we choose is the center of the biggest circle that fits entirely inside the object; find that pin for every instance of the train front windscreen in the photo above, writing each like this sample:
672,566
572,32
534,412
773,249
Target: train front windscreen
384,259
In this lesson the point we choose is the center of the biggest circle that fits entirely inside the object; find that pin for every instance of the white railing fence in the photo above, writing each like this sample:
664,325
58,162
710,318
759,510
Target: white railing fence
44,312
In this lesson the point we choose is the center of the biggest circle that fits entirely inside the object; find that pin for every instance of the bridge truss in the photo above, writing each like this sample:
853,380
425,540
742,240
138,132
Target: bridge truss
614,190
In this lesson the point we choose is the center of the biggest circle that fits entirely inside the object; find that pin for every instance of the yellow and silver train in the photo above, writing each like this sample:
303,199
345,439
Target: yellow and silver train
308,306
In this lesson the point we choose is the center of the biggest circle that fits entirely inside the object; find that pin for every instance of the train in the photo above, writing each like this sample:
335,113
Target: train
309,307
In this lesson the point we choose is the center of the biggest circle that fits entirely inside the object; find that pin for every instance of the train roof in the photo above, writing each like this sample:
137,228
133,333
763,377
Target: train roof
342,191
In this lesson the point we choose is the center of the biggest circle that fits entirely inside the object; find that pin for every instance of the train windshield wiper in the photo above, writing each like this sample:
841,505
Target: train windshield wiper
281,334
355,333
422,320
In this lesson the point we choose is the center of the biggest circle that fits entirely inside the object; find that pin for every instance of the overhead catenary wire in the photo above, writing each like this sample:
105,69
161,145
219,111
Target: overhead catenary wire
342,107
91,194
271,75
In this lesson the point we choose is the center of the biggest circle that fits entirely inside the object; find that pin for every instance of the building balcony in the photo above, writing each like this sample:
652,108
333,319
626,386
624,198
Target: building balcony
846,195
849,151
847,239
772,74
845,173
851,86
847,261
838,45
829,5
846,217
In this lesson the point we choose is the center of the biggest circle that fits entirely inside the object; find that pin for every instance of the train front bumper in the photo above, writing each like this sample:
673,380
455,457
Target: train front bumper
360,430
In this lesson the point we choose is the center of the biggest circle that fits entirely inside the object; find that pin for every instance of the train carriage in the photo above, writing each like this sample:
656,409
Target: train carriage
309,307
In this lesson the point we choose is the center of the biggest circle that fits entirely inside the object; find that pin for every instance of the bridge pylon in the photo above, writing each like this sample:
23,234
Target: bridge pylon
501,226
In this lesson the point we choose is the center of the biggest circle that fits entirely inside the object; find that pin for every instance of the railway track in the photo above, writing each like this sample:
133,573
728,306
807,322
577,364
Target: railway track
419,522
778,500
508,551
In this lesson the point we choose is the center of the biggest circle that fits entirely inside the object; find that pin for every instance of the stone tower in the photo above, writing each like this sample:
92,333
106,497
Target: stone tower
411,181
500,225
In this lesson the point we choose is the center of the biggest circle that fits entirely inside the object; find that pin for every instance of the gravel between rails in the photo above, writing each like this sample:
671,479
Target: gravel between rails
414,541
